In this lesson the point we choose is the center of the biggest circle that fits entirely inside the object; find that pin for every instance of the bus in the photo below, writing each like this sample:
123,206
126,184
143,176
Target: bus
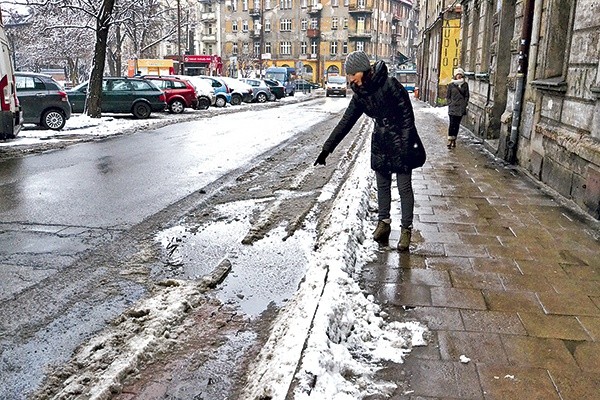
285,75
408,78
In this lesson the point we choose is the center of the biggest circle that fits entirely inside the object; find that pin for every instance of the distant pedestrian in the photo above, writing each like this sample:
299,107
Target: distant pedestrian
395,144
457,98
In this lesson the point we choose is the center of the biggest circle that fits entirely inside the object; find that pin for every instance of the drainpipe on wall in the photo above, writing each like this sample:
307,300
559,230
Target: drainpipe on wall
524,44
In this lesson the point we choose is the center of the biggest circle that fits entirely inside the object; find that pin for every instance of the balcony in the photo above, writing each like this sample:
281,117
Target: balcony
254,12
396,37
360,34
360,9
208,17
313,33
315,9
255,33
396,17
208,38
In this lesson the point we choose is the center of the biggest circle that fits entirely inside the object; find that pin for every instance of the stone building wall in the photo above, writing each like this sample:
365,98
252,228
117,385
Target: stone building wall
552,127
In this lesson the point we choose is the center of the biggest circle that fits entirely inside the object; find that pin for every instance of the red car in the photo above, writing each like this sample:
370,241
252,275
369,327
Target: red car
180,93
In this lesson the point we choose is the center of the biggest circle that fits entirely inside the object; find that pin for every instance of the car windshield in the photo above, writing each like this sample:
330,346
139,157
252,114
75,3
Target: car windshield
280,76
81,86
337,79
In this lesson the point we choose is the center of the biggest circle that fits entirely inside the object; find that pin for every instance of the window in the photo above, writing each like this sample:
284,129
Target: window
313,47
245,48
267,47
234,5
303,24
335,3
234,26
303,4
267,25
360,46
234,49
178,85
333,48
267,5
345,48
557,37
256,4
334,22
245,26
314,23
285,48
285,25
244,5
29,83
303,47
257,48
345,24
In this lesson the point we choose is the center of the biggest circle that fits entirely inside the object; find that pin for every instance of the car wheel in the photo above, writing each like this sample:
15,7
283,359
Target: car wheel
141,110
236,100
176,107
203,103
220,102
53,119
261,98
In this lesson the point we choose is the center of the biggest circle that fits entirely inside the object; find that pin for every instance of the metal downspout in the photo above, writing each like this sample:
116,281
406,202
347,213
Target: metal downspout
520,80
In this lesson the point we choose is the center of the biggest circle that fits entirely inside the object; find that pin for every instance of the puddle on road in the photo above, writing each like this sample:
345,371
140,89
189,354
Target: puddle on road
268,271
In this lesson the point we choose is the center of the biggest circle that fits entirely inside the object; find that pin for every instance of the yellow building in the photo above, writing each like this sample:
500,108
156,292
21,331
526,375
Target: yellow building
313,37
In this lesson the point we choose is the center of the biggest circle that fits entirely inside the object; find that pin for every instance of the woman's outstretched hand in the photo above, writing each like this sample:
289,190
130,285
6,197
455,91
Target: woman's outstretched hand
321,158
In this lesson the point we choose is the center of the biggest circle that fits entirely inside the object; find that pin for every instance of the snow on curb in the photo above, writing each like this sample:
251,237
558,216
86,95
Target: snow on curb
329,325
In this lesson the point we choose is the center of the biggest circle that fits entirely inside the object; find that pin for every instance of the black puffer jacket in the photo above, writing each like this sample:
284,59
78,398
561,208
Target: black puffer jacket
395,144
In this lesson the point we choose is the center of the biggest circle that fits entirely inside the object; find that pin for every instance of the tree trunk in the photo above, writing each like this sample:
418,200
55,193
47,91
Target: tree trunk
94,100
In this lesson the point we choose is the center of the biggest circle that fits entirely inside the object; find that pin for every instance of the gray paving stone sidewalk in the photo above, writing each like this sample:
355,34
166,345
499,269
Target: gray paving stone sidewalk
501,273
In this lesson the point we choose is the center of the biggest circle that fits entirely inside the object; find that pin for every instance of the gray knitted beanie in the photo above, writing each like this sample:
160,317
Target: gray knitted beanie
357,61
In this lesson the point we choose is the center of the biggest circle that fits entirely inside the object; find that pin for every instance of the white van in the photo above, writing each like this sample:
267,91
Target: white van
11,116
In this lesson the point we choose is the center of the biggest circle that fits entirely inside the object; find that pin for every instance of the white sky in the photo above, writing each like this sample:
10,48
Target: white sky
335,307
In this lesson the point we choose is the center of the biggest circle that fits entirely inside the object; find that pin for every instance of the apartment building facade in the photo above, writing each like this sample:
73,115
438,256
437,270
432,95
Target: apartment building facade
313,37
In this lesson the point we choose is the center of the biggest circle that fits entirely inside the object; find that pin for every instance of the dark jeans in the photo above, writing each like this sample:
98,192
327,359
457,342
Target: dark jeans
384,196
454,126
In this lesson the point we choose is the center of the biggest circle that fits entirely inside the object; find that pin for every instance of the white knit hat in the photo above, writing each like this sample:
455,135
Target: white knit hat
459,71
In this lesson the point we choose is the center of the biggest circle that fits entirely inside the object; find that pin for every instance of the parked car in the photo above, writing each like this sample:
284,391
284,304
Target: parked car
262,92
304,85
222,92
276,88
11,115
180,93
43,100
122,96
336,84
204,90
240,91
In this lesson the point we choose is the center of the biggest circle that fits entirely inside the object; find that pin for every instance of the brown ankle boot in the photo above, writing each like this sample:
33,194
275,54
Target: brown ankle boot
381,234
405,236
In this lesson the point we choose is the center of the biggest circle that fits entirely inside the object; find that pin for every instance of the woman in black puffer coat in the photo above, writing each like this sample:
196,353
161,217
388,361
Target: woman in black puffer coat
457,98
395,144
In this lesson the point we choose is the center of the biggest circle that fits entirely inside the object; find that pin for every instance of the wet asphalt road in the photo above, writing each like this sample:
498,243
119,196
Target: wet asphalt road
78,226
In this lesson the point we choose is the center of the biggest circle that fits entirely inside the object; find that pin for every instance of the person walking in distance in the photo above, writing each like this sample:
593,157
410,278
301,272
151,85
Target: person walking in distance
396,147
457,98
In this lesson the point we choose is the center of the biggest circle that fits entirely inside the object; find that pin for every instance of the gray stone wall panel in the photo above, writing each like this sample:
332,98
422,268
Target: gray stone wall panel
586,14
585,47
578,114
551,107
557,177
580,82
